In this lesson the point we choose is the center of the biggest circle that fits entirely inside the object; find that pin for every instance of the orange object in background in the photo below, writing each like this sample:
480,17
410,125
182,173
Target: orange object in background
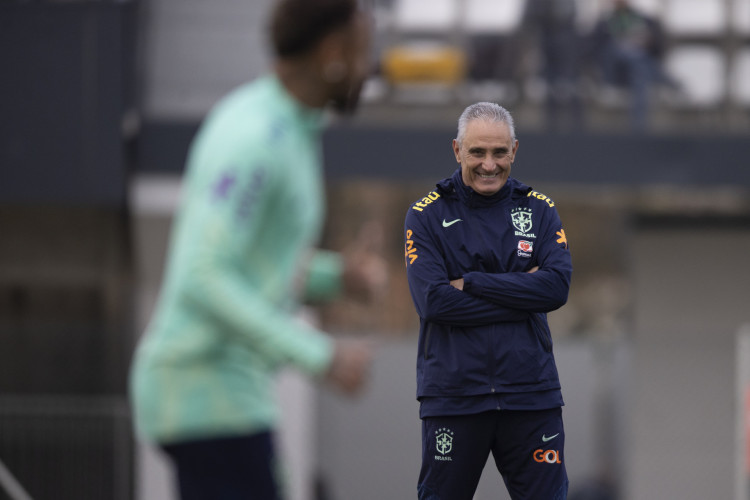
424,63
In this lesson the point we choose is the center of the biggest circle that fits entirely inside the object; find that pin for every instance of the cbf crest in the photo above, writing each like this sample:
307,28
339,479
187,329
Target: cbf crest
443,443
521,218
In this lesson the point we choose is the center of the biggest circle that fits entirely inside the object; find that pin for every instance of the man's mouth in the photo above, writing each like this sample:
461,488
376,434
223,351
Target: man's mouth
489,176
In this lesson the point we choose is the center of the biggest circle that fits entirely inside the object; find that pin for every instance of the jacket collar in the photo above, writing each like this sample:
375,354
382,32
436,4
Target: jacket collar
454,186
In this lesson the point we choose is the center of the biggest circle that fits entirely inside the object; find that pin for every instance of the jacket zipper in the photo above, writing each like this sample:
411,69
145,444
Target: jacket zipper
490,362
543,335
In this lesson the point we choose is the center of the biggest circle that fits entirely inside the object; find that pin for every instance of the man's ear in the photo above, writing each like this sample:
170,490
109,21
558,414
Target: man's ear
331,58
457,150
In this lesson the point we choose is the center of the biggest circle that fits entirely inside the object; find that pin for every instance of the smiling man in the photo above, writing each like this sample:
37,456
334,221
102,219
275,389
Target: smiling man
486,259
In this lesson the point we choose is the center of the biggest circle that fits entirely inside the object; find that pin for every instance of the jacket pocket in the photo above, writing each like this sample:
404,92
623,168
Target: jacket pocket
542,331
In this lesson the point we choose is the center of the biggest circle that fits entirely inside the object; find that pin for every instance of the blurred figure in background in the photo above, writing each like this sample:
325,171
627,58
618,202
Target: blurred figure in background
553,25
241,258
628,47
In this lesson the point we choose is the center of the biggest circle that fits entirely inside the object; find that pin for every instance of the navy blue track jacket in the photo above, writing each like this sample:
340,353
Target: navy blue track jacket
492,338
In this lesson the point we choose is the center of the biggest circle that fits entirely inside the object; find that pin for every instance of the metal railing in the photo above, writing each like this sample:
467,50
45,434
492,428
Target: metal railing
10,484
65,448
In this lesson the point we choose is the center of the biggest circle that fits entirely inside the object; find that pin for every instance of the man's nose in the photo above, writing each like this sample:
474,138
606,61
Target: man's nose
488,163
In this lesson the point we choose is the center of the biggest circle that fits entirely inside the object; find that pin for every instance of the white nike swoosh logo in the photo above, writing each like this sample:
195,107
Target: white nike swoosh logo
446,224
545,438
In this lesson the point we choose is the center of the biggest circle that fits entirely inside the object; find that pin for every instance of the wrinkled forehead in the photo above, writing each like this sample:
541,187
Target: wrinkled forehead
486,133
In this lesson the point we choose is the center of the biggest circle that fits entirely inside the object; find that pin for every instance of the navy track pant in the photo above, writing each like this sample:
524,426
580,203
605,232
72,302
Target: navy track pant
233,468
527,447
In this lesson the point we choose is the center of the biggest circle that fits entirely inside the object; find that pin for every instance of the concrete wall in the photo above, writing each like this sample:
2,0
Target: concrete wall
194,52
692,289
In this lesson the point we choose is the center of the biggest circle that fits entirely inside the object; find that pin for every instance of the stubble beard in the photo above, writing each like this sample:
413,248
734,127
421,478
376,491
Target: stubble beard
347,102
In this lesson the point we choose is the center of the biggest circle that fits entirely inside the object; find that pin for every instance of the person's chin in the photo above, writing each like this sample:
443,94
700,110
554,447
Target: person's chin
488,188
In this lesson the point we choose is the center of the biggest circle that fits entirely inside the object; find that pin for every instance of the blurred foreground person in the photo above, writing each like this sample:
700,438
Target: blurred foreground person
486,259
241,258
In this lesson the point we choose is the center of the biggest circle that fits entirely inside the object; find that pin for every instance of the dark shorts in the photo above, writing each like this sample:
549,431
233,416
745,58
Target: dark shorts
235,468
528,448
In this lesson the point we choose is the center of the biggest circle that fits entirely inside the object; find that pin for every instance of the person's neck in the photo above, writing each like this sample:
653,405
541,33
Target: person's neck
298,78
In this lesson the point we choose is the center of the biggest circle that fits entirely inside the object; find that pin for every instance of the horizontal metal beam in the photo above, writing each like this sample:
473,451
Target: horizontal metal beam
380,152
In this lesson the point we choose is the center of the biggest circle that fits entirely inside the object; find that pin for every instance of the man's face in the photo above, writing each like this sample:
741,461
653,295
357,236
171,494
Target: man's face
356,55
486,154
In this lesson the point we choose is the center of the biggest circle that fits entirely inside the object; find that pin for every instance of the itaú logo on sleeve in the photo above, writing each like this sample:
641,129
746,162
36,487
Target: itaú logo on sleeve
547,456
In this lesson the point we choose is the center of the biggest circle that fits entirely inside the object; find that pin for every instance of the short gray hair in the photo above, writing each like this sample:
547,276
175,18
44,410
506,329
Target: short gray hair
488,111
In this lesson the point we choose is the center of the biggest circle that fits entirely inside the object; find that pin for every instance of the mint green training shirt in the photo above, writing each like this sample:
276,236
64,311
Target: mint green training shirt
241,258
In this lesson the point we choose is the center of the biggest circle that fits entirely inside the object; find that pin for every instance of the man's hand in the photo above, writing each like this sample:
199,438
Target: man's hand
365,271
533,269
350,367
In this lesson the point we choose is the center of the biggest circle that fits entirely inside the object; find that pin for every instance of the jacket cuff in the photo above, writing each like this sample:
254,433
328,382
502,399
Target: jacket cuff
470,286
317,355
324,277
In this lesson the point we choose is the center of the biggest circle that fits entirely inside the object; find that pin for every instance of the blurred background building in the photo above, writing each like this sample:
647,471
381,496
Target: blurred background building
99,102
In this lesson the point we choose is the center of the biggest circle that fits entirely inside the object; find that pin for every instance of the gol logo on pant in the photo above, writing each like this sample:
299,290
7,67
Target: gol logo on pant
548,456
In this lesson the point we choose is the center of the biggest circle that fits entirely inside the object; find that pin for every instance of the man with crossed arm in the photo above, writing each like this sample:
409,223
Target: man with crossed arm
486,259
